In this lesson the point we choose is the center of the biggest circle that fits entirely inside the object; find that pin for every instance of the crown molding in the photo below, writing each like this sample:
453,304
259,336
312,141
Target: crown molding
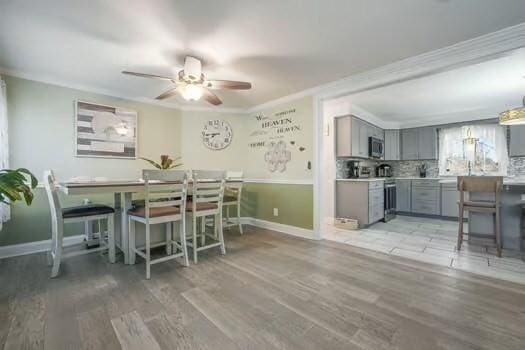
452,117
468,52
464,53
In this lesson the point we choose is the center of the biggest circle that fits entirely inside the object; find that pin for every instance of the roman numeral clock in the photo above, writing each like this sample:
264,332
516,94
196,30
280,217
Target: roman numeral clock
217,134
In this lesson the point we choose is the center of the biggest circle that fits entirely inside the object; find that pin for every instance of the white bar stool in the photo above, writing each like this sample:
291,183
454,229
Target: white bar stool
61,216
232,197
163,204
207,198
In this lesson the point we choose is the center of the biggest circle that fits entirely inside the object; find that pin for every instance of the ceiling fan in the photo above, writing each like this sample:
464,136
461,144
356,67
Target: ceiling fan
191,83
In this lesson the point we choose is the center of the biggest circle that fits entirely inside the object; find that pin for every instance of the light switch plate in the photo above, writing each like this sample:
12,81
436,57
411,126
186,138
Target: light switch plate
275,211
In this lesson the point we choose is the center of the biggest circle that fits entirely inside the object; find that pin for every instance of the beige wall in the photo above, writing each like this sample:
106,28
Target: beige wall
239,155
41,131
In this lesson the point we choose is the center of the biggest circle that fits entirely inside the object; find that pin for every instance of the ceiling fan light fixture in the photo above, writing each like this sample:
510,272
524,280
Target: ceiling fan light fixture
191,92
514,116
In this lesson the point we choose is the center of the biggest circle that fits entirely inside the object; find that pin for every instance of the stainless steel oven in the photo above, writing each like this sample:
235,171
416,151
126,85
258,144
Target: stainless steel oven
375,147
390,200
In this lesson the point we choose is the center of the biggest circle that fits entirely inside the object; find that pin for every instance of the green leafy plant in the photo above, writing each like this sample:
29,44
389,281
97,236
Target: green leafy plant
14,186
165,162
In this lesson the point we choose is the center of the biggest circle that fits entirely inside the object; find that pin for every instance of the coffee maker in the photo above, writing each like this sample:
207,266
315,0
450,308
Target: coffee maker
352,167
384,170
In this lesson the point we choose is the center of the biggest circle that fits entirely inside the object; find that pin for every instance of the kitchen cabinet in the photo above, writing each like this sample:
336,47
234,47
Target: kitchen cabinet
449,200
426,197
517,140
409,144
419,143
351,137
360,200
403,195
360,132
343,146
427,143
392,143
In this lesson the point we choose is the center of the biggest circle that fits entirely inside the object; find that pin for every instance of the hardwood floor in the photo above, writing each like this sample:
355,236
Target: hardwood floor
271,291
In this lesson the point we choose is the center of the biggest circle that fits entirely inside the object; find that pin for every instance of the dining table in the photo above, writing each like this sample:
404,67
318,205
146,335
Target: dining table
122,192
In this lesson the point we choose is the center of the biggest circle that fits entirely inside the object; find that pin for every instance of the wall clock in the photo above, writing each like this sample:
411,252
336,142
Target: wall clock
217,134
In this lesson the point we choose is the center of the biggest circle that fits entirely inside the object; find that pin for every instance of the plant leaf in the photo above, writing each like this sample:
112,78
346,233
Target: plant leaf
155,164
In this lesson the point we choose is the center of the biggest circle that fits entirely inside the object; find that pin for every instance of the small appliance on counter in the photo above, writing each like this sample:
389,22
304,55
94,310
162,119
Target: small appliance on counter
422,170
383,170
352,169
365,172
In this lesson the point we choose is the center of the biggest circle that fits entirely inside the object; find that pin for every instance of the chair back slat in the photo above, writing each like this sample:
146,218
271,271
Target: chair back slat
52,197
485,184
234,191
170,192
208,186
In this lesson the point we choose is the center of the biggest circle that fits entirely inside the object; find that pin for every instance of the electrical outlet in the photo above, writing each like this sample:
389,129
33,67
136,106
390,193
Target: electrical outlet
275,211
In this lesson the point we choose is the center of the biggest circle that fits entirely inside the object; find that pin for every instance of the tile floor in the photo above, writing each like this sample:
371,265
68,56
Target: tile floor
432,241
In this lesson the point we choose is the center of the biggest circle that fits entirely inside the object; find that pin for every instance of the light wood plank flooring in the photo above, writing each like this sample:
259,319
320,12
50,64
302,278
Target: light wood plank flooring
271,291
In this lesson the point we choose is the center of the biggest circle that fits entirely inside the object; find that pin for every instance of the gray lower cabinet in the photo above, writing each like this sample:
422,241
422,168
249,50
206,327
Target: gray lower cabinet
426,197
449,200
360,200
403,195
517,140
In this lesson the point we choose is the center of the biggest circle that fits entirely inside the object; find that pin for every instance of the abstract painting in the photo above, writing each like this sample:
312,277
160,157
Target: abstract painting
105,131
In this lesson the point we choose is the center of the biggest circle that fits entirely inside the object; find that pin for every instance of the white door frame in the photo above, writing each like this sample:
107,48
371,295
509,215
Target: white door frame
483,48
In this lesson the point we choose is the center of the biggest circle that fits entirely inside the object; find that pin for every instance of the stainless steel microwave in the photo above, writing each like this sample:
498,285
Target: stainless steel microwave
375,147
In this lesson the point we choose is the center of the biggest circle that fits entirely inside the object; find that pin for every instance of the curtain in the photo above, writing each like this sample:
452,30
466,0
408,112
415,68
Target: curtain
4,146
473,149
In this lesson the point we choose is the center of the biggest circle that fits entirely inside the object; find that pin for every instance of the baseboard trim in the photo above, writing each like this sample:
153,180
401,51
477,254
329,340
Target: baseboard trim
35,247
274,226
9,251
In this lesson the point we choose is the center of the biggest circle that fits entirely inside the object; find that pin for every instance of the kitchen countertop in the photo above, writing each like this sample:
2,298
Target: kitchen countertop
507,181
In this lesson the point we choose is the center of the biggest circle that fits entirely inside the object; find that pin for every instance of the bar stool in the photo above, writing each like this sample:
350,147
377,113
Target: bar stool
163,204
522,242
481,184
232,197
61,216
207,198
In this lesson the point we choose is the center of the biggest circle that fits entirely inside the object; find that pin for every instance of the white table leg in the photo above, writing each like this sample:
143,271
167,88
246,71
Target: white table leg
116,221
126,205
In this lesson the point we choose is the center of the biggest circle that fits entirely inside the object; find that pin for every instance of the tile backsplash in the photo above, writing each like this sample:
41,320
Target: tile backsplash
408,168
402,168
517,166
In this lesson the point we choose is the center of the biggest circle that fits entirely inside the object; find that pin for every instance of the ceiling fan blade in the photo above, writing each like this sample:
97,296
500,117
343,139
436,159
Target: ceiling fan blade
210,97
144,75
228,84
166,94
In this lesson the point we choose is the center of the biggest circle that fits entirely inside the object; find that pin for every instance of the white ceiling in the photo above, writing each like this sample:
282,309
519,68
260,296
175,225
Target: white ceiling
282,47
478,91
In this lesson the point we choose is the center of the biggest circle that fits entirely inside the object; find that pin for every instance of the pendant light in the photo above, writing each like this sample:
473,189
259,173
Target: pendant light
514,116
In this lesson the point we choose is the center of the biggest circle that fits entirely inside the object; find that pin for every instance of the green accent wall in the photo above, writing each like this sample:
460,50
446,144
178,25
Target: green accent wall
295,203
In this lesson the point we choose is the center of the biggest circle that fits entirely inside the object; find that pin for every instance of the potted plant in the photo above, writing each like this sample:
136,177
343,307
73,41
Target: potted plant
166,162
14,186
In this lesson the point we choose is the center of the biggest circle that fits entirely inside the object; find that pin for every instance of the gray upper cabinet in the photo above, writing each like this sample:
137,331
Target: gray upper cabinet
363,130
409,144
419,143
427,142
351,136
392,143
343,147
517,140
